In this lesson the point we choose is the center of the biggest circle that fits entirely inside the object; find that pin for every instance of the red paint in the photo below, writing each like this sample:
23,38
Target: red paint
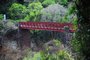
49,26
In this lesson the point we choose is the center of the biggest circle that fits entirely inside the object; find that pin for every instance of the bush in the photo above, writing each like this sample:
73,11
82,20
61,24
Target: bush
33,11
62,2
17,11
71,8
53,13
59,13
76,45
61,54
1,16
77,48
48,2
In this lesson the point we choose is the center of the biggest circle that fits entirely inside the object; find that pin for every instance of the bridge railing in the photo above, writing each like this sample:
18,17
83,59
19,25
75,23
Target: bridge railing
48,26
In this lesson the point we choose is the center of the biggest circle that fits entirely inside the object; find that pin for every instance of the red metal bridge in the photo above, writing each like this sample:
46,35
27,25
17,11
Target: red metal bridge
48,26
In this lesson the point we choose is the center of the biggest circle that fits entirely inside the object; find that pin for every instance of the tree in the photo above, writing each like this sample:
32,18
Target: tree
58,13
4,5
33,11
83,34
48,2
53,13
62,2
17,11
1,16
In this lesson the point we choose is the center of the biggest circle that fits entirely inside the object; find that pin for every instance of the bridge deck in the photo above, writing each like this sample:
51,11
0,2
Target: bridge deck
49,26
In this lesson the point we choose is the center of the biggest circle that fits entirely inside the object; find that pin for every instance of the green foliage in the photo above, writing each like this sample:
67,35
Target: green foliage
41,1
59,55
46,55
58,13
33,11
76,45
62,2
1,16
57,42
17,11
71,8
64,19
48,2
64,55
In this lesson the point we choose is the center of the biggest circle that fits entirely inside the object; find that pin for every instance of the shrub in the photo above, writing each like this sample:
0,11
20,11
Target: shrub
48,2
71,8
58,13
62,2
61,54
1,16
17,11
53,13
33,11
76,45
